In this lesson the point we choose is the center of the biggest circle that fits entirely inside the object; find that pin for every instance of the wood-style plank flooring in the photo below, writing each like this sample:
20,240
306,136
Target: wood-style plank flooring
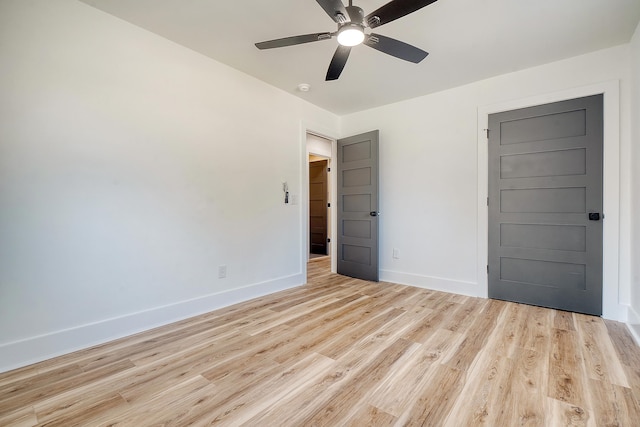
344,352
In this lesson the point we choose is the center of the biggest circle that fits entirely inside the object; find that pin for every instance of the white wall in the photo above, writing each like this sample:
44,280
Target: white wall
429,172
635,132
130,169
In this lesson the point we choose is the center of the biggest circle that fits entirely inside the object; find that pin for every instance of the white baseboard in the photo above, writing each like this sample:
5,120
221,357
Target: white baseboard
31,350
633,323
433,283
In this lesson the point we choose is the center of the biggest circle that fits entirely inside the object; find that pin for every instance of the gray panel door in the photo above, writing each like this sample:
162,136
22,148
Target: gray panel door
545,205
358,206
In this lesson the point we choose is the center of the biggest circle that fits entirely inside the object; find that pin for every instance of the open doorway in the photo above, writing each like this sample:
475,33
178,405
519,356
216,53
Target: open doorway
318,207
319,172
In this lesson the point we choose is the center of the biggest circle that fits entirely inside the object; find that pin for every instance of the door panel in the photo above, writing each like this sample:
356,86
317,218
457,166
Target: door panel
359,229
318,207
357,199
545,177
541,236
356,202
543,273
552,125
543,200
356,177
544,163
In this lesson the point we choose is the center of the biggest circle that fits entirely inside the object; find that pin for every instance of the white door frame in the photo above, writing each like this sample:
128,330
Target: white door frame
304,194
612,308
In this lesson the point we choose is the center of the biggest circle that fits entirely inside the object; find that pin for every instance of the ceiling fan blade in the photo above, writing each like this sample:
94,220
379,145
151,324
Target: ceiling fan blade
335,9
338,62
393,10
395,48
290,41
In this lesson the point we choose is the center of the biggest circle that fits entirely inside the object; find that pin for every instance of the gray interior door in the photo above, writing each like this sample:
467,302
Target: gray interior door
545,205
358,206
318,207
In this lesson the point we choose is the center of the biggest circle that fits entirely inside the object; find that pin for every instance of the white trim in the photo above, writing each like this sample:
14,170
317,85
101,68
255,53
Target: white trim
313,129
633,324
333,252
36,349
611,307
430,282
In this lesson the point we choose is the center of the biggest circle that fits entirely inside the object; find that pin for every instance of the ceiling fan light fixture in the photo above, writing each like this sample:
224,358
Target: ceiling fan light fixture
351,35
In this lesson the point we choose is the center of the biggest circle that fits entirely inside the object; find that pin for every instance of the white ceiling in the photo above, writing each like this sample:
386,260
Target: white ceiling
468,40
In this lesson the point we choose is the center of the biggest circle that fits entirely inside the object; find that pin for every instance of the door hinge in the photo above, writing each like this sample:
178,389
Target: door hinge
328,239
328,205
328,169
487,268
487,201
487,131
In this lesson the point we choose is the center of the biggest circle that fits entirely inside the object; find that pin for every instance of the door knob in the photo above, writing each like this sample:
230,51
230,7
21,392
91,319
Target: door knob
594,216
374,213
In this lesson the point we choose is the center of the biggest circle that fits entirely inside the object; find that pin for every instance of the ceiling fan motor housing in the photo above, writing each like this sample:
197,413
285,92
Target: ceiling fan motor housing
355,14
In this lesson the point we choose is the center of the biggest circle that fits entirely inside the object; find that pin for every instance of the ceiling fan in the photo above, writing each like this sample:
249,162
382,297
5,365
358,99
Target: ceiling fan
351,24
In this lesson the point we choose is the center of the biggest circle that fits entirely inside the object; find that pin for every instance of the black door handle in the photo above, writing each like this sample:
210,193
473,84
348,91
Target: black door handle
374,213
594,216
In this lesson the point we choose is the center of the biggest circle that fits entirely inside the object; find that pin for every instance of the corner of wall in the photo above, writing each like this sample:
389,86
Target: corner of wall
633,320
633,324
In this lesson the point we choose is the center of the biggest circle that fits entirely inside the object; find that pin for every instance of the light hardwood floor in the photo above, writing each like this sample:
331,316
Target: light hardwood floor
344,352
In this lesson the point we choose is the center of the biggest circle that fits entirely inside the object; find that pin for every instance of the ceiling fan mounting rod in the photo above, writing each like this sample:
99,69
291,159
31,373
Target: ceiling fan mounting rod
356,14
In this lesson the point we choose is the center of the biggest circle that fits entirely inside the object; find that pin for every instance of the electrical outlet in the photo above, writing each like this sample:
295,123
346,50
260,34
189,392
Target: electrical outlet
396,253
222,272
